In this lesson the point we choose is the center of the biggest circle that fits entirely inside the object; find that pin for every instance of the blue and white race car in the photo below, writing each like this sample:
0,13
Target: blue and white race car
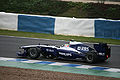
73,51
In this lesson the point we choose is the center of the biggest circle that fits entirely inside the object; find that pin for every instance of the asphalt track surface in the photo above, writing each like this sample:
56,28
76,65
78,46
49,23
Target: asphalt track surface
10,45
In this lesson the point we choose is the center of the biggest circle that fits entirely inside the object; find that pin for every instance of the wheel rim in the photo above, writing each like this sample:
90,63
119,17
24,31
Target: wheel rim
33,52
90,58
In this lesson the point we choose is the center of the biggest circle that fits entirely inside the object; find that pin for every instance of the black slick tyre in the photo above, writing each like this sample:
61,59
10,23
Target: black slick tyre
33,53
91,57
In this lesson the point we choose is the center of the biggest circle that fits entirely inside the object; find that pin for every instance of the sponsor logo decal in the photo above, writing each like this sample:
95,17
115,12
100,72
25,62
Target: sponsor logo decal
65,54
101,54
82,48
49,50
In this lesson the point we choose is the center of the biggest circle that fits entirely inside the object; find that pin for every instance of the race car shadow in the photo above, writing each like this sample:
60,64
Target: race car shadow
103,63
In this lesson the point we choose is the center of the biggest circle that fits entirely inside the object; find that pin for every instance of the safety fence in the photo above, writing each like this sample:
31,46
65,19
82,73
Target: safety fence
99,28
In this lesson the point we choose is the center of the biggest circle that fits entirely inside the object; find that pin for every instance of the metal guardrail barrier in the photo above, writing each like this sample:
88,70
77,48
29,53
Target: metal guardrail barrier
97,1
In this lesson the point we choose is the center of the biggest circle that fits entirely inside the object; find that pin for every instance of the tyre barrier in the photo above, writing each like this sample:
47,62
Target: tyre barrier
99,28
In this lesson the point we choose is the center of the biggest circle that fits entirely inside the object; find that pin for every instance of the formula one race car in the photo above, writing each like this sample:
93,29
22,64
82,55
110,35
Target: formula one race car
73,51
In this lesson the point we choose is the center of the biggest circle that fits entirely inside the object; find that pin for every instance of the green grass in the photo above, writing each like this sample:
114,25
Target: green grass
58,37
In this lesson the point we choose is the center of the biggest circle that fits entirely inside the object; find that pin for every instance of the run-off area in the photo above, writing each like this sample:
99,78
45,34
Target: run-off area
60,67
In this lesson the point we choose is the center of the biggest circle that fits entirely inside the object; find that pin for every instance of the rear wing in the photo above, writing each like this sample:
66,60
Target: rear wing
103,48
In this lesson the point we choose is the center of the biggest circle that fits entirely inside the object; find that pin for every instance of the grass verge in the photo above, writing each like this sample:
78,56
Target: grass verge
58,37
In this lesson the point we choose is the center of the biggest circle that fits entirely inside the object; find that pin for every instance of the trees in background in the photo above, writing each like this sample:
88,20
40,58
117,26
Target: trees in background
61,8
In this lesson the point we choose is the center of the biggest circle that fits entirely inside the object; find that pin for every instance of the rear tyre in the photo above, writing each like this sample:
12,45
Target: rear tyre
91,57
33,53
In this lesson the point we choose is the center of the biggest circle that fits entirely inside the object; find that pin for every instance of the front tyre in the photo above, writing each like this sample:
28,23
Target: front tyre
33,53
91,57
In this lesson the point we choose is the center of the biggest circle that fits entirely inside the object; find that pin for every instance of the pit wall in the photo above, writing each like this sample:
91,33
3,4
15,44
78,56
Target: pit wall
99,28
